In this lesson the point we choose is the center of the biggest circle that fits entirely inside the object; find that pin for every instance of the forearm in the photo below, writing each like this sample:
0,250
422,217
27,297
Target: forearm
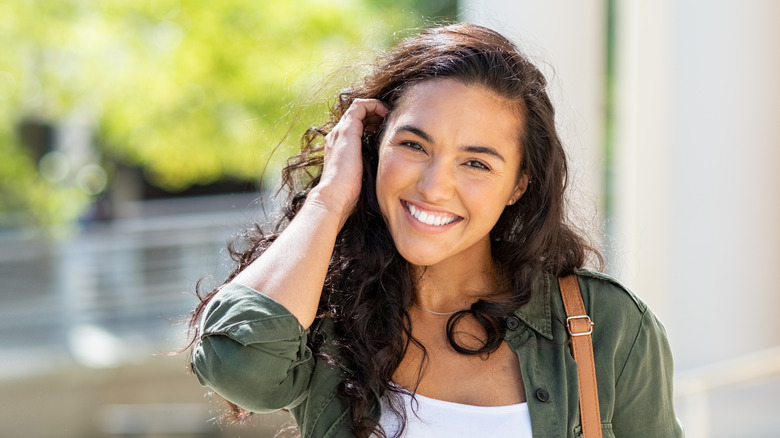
292,271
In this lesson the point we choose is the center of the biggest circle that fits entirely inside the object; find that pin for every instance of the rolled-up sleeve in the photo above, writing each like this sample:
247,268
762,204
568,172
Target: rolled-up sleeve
252,351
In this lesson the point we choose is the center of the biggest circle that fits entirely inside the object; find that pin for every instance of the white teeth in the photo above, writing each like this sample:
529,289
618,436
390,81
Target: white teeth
430,218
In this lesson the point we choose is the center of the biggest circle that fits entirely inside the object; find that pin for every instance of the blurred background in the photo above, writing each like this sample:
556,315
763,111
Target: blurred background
137,137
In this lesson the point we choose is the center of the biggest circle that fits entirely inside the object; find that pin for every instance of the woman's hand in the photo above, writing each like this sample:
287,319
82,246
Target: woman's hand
342,173
293,270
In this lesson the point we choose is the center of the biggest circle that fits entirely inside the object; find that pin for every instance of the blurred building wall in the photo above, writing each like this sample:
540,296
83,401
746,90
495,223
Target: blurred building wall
696,197
699,194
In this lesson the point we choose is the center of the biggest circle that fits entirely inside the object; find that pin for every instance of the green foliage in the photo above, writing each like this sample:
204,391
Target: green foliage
25,198
192,91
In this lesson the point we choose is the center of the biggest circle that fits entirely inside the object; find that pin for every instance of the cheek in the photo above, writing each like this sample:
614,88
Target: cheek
384,180
381,172
485,200
390,174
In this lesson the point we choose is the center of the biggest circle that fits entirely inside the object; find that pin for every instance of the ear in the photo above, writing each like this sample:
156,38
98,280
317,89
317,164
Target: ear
522,186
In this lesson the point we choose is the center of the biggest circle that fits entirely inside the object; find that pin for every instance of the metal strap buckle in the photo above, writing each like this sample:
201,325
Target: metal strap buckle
569,326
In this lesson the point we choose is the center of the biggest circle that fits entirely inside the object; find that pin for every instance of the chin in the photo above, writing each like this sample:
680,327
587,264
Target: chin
418,258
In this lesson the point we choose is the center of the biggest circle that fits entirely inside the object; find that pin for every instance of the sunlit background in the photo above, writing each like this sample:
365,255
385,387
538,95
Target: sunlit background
136,137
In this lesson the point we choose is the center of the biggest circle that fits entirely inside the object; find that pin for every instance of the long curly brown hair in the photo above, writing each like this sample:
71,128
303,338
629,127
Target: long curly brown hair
369,289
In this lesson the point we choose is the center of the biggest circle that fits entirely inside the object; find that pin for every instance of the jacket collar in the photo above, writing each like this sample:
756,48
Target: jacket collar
537,313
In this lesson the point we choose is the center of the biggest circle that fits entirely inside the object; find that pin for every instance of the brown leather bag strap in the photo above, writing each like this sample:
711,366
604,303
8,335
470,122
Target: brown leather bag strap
580,327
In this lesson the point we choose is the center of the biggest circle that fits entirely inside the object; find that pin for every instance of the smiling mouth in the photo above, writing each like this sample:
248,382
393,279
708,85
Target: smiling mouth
429,217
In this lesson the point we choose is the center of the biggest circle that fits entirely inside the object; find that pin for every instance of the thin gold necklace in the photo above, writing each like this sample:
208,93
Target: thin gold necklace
434,313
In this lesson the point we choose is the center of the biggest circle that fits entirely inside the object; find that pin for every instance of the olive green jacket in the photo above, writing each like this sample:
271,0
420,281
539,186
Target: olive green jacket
254,353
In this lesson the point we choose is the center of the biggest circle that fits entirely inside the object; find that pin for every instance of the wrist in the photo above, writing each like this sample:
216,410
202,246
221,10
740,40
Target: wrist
333,204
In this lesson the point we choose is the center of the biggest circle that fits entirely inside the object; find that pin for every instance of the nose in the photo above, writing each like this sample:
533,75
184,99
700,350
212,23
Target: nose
436,182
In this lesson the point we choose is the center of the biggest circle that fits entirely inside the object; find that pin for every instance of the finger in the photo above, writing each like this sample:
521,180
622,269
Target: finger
366,112
363,115
363,108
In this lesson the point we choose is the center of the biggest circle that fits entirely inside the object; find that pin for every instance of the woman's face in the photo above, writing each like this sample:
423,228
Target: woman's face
449,163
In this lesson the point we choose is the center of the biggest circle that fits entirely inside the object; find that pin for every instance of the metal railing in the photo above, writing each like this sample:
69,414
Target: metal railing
693,387
113,291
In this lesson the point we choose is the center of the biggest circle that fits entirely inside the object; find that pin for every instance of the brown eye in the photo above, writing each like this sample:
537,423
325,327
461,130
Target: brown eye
477,165
413,145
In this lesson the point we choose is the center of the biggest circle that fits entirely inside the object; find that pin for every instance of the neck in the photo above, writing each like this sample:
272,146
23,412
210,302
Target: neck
453,285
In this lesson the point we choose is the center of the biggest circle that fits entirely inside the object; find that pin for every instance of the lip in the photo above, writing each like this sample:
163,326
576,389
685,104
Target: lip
428,228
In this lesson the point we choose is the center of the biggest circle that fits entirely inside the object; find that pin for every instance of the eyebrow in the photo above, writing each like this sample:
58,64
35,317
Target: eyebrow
484,150
475,149
416,131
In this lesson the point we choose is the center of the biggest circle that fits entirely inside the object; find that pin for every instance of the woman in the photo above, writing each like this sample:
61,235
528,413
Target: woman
410,288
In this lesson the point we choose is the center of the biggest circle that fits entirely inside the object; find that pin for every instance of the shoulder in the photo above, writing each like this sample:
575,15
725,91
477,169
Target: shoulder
619,316
633,359
609,304
605,294
621,319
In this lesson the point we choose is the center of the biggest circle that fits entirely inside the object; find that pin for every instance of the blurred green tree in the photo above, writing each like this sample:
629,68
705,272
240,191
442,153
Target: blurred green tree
190,91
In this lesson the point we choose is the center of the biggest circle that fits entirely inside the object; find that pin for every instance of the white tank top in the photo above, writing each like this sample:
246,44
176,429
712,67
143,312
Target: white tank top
433,418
